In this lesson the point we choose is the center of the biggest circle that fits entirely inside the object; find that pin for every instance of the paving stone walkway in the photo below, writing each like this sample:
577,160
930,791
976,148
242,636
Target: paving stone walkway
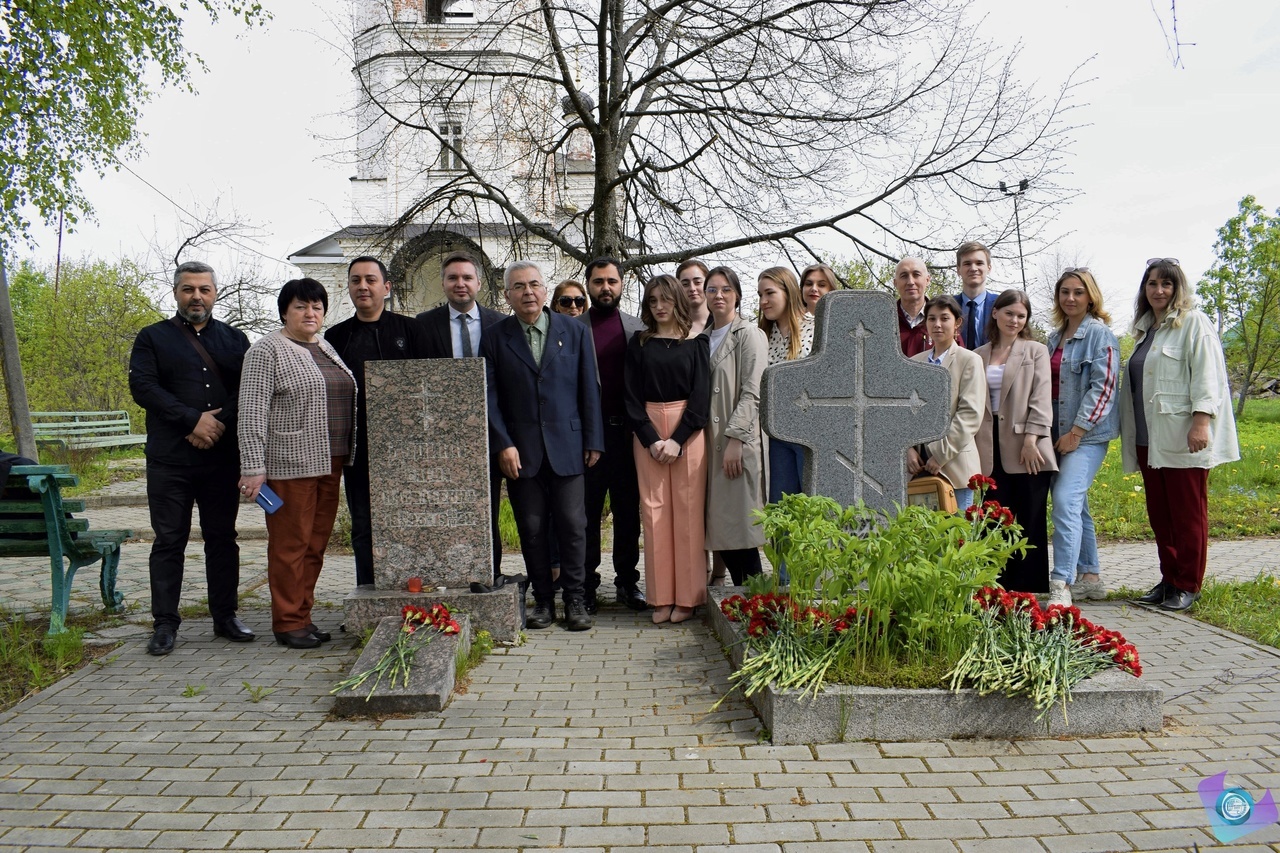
602,741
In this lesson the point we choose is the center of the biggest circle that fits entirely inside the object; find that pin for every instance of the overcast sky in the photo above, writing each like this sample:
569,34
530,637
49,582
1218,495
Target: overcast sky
1161,158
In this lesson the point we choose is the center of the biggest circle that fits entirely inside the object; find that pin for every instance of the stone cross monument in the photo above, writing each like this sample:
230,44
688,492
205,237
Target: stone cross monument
857,403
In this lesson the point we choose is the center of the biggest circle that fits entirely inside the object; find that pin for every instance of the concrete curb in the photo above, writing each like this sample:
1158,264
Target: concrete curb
1108,703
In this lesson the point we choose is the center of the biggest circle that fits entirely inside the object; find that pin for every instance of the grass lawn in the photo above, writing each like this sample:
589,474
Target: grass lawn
1244,497
1251,608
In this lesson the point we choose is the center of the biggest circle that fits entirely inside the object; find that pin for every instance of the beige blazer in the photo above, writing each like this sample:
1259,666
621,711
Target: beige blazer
958,449
1026,407
736,367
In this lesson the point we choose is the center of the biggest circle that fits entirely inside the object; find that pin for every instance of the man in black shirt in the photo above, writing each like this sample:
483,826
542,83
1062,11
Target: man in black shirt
373,334
185,372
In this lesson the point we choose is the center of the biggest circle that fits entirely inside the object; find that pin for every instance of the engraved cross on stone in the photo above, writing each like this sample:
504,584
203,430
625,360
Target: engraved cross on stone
857,403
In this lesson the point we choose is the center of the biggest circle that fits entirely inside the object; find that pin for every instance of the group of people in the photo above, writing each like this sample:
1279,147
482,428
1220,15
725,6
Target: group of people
659,416
1038,419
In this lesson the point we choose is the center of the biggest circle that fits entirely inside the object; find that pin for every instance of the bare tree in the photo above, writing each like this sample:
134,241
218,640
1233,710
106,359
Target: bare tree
714,125
246,296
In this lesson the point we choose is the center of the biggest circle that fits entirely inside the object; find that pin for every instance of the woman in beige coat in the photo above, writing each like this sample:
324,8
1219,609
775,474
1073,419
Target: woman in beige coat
955,455
1014,441
739,353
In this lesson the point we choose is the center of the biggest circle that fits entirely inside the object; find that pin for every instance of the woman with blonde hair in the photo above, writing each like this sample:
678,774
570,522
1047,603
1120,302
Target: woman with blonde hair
817,281
1175,424
1084,369
667,390
1014,438
790,331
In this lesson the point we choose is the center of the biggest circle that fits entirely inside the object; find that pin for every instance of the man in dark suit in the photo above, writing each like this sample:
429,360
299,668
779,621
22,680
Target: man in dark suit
973,263
455,330
185,372
544,424
615,476
373,334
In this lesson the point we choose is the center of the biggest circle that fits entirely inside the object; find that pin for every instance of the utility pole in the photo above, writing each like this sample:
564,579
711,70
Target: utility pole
15,388
1017,223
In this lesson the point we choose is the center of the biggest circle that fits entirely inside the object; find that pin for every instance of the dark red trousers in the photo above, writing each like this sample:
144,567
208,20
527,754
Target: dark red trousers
1178,508
297,536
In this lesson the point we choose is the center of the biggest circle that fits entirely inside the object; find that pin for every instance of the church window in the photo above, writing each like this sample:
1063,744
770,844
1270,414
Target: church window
451,146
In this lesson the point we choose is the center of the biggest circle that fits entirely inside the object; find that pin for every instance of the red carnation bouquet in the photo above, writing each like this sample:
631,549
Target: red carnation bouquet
418,625
1023,650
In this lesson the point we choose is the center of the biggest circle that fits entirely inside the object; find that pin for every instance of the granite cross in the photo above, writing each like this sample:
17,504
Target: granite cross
856,403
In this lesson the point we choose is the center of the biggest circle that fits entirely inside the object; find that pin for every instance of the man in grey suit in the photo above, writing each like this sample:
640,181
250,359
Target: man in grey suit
615,474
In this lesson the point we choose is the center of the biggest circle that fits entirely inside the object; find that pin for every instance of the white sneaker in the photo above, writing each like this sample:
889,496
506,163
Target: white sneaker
1059,592
1089,590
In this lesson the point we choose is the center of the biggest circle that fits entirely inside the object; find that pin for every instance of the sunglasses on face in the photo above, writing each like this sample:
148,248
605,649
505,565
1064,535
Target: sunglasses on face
572,301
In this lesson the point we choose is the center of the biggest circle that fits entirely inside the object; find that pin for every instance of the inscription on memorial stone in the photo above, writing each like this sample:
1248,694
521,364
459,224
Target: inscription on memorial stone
429,472
857,403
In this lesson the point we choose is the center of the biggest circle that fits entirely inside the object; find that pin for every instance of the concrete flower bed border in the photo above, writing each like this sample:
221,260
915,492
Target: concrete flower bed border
1110,702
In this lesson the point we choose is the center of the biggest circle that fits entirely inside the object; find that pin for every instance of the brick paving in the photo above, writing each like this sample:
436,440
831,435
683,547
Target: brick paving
602,741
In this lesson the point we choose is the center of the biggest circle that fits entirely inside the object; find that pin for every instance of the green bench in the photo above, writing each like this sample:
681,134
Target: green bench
35,522
77,430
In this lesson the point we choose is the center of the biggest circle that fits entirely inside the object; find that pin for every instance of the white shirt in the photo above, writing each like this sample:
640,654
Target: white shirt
718,336
473,327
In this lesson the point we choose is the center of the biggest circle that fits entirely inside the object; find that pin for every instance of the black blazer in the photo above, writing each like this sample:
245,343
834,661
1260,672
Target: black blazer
548,411
438,339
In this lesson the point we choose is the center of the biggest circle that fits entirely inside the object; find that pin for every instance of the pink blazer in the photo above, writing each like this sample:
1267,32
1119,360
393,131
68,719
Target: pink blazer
1026,408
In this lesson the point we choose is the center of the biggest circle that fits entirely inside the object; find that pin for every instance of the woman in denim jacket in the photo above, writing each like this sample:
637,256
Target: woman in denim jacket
1176,423
1085,370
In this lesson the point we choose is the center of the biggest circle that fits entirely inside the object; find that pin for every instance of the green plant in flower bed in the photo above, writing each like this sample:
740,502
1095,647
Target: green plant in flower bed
877,593
1021,650
418,625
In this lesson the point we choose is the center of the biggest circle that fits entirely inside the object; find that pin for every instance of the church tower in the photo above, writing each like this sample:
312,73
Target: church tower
447,112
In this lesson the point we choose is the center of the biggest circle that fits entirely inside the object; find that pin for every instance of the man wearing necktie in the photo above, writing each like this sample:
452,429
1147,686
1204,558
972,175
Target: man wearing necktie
973,263
454,330
546,429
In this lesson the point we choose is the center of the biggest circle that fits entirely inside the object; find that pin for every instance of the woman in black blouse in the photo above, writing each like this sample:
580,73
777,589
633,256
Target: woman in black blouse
668,389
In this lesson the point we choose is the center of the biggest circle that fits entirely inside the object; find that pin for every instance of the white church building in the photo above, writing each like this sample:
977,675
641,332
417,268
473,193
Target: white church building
437,110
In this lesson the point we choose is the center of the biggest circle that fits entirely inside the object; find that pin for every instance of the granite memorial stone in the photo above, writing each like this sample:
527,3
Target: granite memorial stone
857,403
429,472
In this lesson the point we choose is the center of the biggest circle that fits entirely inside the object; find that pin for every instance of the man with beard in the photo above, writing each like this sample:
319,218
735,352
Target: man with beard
615,474
185,372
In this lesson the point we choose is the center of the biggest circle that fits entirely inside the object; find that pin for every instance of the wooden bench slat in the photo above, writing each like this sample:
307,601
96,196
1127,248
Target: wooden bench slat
78,430
12,507
33,525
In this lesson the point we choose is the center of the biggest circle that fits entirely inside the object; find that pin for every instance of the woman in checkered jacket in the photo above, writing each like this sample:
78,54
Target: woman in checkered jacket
297,413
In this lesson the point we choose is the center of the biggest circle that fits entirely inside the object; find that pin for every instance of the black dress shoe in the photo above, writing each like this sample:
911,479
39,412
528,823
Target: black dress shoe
234,630
1156,595
161,642
299,638
632,597
542,615
589,601
576,617
1178,599
322,636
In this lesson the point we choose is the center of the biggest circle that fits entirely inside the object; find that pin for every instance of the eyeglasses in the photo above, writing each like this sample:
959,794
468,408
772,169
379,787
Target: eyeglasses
1151,262
1073,270
572,301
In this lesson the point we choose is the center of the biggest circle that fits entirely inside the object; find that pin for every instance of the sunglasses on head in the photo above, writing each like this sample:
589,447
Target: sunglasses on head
571,301
1151,262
